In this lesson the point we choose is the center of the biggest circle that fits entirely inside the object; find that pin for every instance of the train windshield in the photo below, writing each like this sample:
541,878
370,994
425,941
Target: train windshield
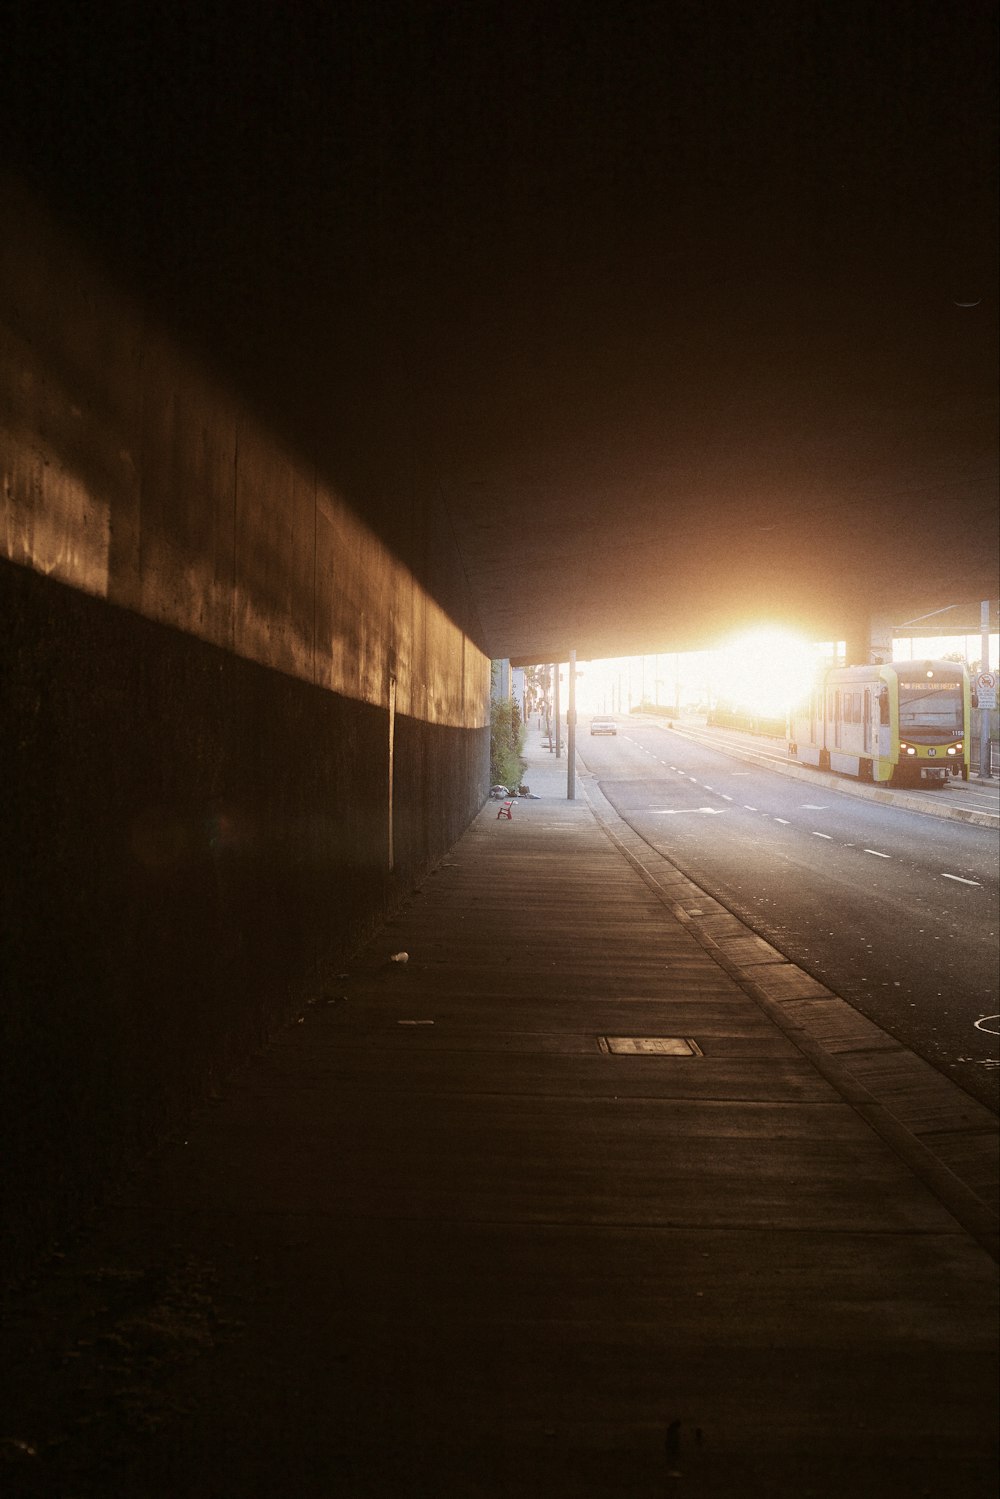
930,708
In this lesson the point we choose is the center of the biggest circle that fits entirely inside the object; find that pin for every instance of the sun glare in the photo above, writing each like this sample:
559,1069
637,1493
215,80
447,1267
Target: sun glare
770,670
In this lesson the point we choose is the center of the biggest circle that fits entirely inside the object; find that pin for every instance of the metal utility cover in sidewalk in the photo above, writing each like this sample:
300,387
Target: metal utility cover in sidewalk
642,1046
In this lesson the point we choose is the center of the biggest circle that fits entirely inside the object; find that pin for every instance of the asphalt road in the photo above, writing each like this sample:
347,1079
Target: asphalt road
895,911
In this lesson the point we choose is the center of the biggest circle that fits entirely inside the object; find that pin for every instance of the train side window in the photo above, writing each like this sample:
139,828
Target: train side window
883,706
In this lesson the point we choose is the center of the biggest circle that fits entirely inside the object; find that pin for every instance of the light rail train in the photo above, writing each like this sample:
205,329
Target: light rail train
899,724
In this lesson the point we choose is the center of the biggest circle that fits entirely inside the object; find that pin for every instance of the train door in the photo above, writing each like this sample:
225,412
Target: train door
871,723
881,733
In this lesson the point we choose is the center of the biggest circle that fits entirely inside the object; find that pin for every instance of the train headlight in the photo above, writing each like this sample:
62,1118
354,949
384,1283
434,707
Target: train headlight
952,750
910,750
959,745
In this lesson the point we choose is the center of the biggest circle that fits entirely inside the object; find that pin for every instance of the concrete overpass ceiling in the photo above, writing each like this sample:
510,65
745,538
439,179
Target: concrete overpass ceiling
599,568
686,315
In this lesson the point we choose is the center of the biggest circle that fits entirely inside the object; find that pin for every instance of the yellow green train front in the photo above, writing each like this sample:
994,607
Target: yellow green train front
930,725
905,723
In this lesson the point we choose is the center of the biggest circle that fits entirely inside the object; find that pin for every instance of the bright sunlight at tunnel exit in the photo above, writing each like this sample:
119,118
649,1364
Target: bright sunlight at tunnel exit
762,671
770,669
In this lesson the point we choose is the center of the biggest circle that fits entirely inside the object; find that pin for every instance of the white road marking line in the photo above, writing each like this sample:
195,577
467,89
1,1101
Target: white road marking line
959,878
679,811
812,807
724,797
784,820
877,854
827,836
749,808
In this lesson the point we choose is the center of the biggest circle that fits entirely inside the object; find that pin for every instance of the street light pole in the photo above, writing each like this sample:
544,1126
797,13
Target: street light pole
985,768
571,732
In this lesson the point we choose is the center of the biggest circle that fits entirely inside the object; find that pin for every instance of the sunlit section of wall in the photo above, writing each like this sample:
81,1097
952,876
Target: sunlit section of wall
130,474
56,517
66,535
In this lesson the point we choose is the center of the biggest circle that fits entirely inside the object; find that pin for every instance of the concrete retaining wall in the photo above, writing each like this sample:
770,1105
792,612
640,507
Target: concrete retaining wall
205,659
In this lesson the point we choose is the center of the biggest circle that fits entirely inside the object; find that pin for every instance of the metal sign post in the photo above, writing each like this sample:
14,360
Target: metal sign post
987,694
555,694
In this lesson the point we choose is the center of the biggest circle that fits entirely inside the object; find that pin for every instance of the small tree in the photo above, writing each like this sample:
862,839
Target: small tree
536,689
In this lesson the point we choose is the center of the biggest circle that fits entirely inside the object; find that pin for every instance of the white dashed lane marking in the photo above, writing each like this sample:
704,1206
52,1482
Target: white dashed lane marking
784,821
683,811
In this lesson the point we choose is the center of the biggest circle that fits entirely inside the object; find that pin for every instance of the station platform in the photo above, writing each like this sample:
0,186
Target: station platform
594,1194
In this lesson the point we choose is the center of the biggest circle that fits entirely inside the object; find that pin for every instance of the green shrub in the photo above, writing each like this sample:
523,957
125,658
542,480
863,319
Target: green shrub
506,742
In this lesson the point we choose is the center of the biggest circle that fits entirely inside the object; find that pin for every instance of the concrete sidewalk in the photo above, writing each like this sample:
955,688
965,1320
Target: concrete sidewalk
464,1230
